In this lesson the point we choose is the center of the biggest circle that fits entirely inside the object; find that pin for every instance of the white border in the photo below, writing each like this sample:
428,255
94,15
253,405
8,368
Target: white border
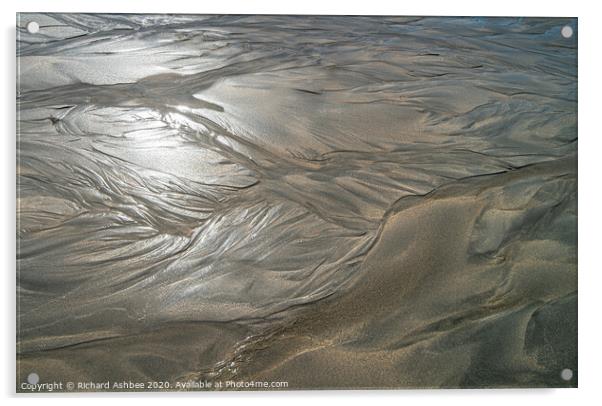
371,7
589,196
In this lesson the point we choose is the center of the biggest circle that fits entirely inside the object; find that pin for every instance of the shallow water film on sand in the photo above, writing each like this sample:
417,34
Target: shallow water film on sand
295,202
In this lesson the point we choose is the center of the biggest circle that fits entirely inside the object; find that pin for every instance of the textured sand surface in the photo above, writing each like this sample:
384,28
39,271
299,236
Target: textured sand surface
334,202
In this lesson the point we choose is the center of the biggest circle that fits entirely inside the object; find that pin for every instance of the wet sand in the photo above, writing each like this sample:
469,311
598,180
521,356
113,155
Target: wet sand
334,202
